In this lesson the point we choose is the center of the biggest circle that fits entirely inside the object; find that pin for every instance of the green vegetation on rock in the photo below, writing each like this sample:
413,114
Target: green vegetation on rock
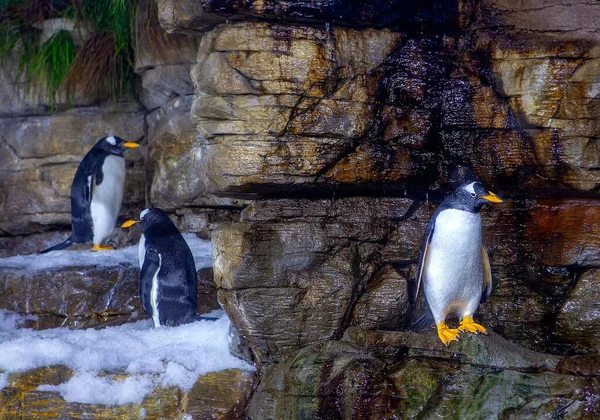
68,47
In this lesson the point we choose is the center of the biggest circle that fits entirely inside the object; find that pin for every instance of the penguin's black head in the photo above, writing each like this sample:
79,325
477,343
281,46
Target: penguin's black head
471,197
150,217
114,145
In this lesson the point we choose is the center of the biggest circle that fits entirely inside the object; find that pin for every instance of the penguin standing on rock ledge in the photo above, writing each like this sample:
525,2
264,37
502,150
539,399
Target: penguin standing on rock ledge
96,194
454,266
168,284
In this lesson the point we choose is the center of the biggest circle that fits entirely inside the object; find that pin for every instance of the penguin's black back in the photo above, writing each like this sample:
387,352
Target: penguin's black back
81,190
177,298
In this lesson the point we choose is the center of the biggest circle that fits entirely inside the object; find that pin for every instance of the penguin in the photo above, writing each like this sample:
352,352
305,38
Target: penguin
454,266
168,285
96,194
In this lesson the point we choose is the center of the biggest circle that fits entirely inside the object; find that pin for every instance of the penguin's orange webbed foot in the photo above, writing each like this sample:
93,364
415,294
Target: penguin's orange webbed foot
468,325
98,247
446,334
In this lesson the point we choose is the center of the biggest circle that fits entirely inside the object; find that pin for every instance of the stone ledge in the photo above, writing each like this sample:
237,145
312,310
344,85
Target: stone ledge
85,297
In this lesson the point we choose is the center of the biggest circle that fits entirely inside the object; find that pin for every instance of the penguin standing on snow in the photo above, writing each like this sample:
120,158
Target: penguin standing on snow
168,285
454,265
96,194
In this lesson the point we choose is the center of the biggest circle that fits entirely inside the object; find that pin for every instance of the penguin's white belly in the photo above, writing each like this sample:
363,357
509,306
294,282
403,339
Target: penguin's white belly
453,274
154,294
107,197
142,251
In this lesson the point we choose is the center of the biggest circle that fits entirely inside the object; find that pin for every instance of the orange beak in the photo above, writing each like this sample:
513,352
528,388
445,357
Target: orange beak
130,223
491,197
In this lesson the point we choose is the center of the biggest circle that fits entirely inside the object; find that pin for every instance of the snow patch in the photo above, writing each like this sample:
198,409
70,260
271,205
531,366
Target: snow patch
152,356
87,388
201,249
10,321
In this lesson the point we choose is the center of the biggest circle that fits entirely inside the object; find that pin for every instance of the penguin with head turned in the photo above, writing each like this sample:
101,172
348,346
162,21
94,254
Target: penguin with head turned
168,284
454,267
96,194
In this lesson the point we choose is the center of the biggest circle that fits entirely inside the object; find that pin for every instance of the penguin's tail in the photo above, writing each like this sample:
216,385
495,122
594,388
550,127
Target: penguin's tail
426,320
62,245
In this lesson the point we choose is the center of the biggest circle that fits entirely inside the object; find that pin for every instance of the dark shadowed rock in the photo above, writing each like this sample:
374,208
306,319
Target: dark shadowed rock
189,17
330,380
476,349
578,320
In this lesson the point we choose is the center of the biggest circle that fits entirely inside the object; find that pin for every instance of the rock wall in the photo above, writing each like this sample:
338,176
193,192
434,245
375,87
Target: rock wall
345,133
288,110
338,127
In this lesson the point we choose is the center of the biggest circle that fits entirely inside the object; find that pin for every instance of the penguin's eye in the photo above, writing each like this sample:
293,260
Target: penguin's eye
473,195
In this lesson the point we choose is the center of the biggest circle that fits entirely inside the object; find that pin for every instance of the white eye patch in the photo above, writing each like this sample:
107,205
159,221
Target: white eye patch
111,140
143,213
470,189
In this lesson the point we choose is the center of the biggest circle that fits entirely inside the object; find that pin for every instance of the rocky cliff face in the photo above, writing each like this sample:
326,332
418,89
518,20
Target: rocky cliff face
346,137
338,127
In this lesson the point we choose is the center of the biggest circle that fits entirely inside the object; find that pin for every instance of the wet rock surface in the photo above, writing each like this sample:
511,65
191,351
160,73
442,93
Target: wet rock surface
329,253
342,136
308,110
216,395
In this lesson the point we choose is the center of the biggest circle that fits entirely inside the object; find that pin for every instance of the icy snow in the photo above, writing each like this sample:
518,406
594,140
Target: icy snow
201,249
153,356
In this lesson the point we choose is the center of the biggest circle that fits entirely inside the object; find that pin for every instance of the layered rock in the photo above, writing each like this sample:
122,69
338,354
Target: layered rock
328,254
301,108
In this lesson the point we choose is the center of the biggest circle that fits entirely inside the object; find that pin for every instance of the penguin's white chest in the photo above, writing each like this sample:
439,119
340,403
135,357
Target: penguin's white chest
154,286
107,197
453,273
154,294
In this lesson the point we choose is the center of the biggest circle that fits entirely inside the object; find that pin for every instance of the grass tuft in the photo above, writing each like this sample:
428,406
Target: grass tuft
55,58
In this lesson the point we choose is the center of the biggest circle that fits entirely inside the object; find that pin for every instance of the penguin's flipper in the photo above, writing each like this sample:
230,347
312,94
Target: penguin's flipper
423,259
81,198
487,275
149,270
68,242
